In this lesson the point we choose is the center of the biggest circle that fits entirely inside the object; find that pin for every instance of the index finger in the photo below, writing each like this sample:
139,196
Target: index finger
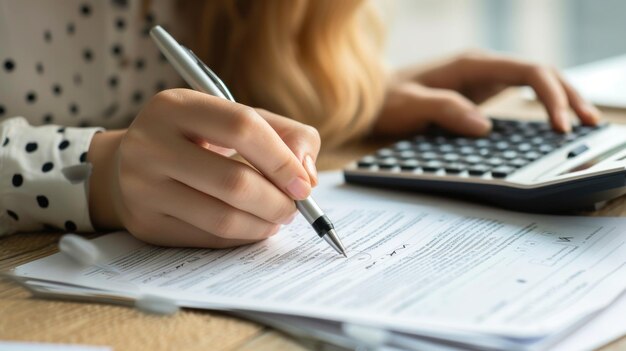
239,127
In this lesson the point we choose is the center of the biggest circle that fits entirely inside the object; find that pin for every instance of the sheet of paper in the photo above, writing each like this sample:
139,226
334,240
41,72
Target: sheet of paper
411,268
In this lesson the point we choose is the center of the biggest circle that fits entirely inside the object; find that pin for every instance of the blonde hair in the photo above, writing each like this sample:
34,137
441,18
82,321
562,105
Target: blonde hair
316,61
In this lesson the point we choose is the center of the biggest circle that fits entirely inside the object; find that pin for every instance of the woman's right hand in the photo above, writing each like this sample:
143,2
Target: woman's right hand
164,180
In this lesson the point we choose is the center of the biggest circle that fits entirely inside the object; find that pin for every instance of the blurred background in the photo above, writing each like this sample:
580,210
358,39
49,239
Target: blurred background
562,33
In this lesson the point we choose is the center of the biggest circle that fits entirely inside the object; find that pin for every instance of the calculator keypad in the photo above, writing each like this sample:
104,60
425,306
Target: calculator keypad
510,146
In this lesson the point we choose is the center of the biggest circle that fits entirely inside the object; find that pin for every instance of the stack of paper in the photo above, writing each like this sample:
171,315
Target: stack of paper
437,274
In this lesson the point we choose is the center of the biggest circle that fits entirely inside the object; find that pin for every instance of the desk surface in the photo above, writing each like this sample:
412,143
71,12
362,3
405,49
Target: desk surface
24,318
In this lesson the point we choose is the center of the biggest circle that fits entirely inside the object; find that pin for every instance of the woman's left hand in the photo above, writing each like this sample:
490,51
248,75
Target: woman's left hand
447,94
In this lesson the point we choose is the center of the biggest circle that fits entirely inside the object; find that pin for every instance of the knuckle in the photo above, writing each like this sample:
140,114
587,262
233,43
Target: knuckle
168,97
537,71
282,210
282,165
245,120
471,54
311,134
451,99
268,231
226,224
238,184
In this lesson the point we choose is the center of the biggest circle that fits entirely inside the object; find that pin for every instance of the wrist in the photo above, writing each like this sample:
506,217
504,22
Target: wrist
102,183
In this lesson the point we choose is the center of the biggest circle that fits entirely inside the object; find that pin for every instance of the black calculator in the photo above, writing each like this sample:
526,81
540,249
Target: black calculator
521,165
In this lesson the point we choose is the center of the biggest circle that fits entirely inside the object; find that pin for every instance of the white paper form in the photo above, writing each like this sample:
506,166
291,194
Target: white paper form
410,269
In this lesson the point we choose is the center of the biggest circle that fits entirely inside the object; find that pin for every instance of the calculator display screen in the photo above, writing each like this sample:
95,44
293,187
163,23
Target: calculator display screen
594,161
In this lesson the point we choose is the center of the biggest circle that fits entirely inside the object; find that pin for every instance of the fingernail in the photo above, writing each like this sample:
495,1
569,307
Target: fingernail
592,112
298,188
309,165
479,119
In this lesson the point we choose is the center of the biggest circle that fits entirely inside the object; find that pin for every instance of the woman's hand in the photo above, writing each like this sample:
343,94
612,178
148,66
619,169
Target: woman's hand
446,94
167,181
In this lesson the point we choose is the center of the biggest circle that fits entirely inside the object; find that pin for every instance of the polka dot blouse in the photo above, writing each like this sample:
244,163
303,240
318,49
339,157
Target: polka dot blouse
67,70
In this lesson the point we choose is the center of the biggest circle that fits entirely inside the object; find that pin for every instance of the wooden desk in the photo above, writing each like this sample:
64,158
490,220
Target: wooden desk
24,318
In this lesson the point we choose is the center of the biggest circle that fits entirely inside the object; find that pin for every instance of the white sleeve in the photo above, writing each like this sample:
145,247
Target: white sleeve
44,177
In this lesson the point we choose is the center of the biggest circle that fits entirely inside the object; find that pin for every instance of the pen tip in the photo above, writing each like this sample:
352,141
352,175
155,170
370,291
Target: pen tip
345,254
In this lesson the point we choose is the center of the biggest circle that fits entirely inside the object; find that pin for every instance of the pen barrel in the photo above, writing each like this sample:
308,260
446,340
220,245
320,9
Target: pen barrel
309,209
322,226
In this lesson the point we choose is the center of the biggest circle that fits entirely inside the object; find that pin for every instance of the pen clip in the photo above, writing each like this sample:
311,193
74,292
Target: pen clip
214,78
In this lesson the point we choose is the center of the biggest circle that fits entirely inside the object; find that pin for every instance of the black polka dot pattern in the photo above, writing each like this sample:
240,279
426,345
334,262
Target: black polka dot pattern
17,180
13,215
31,97
47,167
88,55
120,23
85,10
9,65
70,226
73,109
31,147
93,64
57,89
64,144
42,201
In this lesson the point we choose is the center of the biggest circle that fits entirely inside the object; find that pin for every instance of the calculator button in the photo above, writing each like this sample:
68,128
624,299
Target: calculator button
495,161
524,147
454,168
462,141
502,145
467,150
496,136
509,155
516,138
502,171
546,149
451,157
537,141
432,166
482,143
424,147
385,152
532,155
577,151
473,159
388,163
478,170
407,154
409,165
518,162
446,148
366,162
403,145
484,152
429,156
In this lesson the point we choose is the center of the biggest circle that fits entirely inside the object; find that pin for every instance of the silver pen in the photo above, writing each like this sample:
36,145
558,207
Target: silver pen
201,78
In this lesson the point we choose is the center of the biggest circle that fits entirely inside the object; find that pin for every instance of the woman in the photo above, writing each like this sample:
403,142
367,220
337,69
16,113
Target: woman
166,176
